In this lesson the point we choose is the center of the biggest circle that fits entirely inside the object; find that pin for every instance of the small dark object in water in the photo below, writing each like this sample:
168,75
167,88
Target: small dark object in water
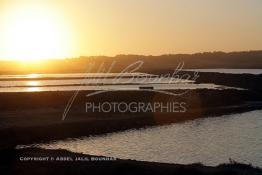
146,87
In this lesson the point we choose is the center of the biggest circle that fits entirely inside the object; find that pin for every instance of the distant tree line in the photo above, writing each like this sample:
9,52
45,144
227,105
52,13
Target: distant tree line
152,64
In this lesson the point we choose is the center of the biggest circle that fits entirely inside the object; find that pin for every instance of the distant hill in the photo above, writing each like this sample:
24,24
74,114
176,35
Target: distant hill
232,60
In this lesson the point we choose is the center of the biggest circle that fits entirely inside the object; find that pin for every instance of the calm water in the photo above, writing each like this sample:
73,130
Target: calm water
230,71
70,75
94,81
210,140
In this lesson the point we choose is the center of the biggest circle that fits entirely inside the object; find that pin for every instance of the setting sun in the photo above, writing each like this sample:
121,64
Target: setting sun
34,32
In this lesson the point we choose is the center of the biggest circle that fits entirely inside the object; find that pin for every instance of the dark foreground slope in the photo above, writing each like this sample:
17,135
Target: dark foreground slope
12,162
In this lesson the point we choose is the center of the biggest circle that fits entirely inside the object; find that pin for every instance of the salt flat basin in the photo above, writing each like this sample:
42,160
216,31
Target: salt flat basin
184,86
96,81
211,141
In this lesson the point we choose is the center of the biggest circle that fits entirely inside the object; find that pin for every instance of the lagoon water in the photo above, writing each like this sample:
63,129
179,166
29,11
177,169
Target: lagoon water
209,140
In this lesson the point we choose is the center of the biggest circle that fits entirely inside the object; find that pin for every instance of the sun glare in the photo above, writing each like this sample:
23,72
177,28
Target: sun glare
33,33
33,83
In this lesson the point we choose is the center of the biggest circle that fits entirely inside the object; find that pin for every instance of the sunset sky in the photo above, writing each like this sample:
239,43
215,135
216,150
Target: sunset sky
38,29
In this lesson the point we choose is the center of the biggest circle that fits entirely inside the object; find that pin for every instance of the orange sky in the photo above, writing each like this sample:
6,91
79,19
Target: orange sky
37,29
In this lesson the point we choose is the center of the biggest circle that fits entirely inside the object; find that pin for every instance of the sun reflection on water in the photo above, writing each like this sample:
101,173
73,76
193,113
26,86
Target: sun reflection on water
33,89
33,83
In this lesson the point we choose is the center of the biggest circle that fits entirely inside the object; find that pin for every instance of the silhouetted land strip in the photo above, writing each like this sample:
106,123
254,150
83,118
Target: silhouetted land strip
10,163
